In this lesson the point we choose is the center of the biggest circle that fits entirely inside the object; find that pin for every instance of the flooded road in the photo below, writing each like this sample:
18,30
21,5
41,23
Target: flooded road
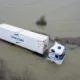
63,20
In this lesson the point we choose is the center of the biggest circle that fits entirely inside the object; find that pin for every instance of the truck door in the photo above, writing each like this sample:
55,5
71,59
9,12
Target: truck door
40,47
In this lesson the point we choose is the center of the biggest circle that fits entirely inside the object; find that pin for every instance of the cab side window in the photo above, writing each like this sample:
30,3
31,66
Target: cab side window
52,50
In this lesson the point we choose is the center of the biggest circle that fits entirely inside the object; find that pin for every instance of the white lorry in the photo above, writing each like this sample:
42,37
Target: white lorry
32,41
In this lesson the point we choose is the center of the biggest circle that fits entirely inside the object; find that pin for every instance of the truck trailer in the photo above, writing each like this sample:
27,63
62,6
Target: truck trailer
27,39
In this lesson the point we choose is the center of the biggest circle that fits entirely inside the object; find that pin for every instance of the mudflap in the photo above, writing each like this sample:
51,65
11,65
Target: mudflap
45,54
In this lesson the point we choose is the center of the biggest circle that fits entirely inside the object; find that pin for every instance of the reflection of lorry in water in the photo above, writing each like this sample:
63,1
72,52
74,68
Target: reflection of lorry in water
24,38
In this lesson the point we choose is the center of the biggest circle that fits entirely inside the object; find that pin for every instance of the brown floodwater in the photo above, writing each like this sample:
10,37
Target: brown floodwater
63,20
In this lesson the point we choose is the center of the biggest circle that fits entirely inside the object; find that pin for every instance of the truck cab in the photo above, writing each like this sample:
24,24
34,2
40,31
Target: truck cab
56,53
